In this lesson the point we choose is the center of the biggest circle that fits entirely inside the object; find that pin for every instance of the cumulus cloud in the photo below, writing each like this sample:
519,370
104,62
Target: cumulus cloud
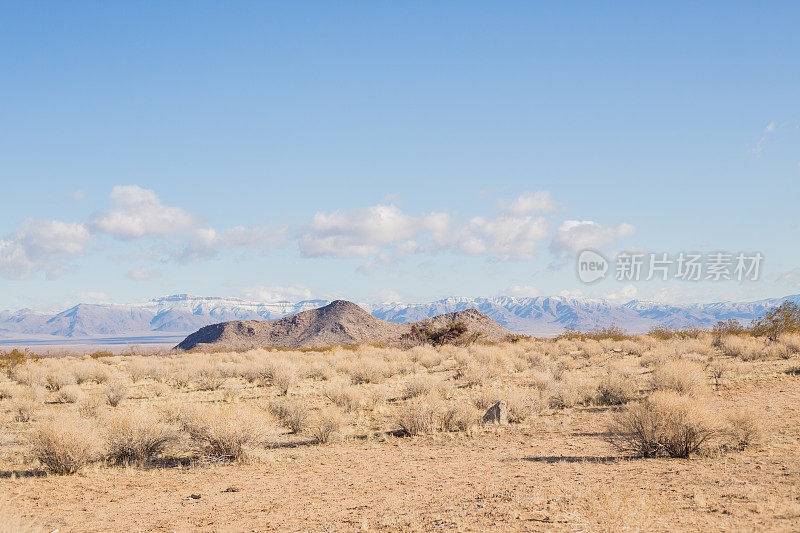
366,232
291,293
521,291
41,245
142,274
138,213
509,237
530,202
625,294
576,235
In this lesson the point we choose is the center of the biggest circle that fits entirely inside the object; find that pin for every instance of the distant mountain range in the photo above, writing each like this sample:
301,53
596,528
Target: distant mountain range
543,316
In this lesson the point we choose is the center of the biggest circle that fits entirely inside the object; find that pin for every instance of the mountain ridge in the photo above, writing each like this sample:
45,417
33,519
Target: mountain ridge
542,316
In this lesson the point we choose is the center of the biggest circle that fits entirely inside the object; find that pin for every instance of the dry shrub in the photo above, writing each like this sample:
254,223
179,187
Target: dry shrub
459,416
87,371
746,348
418,386
115,393
224,432
743,429
343,395
209,378
321,371
523,404
89,406
570,393
293,414
683,377
24,408
791,341
69,394
485,397
6,391
325,425
616,388
777,351
667,424
65,444
231,391
473,374
31,374
419,416
137,436
60,379
369,371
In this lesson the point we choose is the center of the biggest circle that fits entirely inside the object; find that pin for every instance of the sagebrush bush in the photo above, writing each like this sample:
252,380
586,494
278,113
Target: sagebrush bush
667,424
69,394
743,429
616,388
138,435
325,425
683,377
459,416
293,414
419,416
65,444
114,393
224,432
344,396
418,386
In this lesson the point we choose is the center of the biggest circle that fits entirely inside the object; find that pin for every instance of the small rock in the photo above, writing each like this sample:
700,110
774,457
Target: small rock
195,496
231,489
497,414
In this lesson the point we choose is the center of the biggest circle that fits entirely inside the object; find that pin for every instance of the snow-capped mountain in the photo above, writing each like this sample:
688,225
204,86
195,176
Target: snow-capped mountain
544,316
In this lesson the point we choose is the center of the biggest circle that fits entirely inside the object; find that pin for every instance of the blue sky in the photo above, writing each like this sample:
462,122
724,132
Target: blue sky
378,151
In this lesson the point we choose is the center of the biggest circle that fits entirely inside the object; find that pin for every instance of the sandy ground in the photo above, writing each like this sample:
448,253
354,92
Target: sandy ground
557,474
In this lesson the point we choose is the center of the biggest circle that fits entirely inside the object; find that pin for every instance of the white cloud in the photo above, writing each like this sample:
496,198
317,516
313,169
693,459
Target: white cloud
142,274
521,291
138,213
791,277
78,194
576,235
510,237
759,146
626,294
385,296
41,245
91,297
530,202
366,232
291,293
577,293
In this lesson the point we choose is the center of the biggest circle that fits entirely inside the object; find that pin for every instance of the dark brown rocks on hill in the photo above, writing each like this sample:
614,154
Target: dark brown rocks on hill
344,323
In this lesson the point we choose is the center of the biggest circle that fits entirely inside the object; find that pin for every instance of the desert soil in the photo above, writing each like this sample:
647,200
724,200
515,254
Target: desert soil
557,473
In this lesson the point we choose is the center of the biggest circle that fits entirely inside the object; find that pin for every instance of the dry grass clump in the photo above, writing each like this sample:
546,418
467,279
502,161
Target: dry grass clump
30,374
293,414
115,393
24,408
522,404
571,392
418,385
224,432
665,424
209,378
7,391
320,371
231,390
419,416
69,394
59,379
65,444
743,429
368,371
473,374
791,341
326,425
90,371
459,416
683,377
745,347
136,436
616,388
343,395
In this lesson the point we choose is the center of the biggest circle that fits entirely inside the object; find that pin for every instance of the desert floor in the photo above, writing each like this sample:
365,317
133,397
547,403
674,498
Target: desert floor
554,470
